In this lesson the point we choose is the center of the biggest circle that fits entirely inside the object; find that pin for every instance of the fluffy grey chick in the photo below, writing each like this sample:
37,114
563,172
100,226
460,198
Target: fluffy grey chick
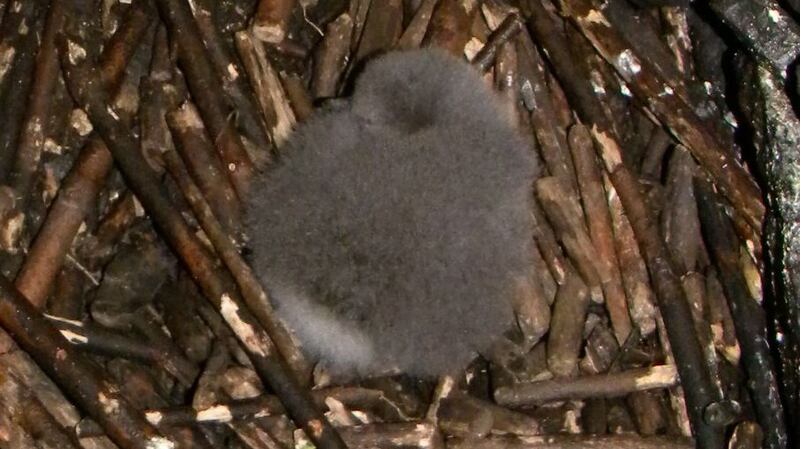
391,232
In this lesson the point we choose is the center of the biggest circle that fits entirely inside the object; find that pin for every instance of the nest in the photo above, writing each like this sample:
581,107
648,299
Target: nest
662,311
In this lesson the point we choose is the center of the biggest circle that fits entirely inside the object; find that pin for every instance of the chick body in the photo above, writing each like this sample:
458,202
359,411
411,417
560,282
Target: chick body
392,229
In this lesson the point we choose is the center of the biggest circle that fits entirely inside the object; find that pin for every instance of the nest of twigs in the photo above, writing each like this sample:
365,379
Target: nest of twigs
663,312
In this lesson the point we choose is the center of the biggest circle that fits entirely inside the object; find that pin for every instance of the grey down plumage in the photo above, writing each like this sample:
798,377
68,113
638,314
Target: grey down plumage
390,232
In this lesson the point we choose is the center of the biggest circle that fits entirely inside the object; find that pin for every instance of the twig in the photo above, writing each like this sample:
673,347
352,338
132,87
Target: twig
766,29
103,341
509,28
330,57
573,442
382,28
695,378
450,25
75,375
204,164
748,317
598,220
203,82
230,72
83,83
566,326
18,43
45,79
76,197
416,29
565,214
277,114
271,20
600,385
650,86
252,291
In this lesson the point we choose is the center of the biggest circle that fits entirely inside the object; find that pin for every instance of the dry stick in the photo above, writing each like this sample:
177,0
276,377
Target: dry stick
119,49
253,293
558,51
538,99
330,57
418,26
277,112
203,163
358,11
220,413
147,321
18,42
74,374
104,341
601,350
76,197
542,273
747,435
404,435
573,442
12,409
721,321
272,19
645,34
657,146
233,82
16,364
694,286
681,230
138,387
748,317
676,35
641,299
506,77
655,91
766,28
469,416
526,394
121,214
606,85
566,325
677,316
647,411
298,95
673,304
82,185
382,28
217,413
565,214
547,244
212,318
67,300
677,396
509,28
450,24
80,188
181,318
13,31
83,84
598,220
356,398
31,139
532,309
203,82
39,422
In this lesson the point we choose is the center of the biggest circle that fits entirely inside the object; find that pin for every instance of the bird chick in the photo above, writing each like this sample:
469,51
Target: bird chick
390,232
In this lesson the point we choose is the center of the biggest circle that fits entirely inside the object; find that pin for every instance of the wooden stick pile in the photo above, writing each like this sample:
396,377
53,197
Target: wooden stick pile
661,310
